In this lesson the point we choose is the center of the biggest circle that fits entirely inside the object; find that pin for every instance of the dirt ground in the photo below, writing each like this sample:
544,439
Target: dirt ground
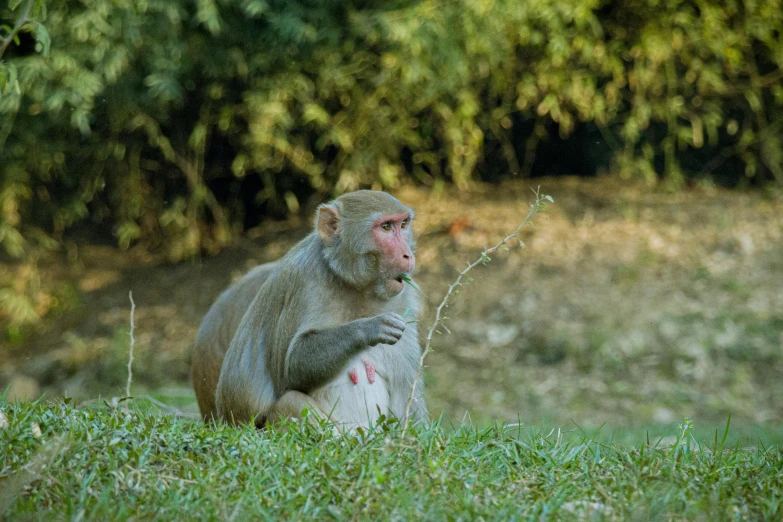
628,306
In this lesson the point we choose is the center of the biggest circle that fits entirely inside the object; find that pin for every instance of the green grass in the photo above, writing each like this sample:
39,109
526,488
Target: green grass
103,463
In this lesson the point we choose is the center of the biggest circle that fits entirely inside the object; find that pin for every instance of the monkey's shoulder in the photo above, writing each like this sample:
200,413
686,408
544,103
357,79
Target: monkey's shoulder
302,267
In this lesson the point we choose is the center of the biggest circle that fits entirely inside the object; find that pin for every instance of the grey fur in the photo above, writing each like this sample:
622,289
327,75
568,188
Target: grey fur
286,334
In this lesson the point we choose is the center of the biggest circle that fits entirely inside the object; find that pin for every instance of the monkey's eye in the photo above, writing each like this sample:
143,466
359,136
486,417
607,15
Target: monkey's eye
404,223
386,225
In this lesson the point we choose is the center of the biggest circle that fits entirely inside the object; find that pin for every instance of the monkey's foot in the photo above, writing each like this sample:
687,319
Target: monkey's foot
370,369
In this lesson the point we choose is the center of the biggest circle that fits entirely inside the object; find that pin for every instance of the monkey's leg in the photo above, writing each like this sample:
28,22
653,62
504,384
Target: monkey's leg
290,406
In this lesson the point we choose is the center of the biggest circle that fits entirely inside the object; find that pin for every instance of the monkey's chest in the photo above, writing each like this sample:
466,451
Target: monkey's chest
357,396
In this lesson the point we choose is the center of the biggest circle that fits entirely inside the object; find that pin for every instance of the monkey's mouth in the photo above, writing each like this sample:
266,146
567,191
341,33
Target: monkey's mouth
396,284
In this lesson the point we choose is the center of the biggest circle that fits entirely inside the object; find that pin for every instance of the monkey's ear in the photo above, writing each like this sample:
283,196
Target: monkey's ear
327,223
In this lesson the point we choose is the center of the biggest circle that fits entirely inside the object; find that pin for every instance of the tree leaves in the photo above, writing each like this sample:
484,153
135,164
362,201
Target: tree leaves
330,96
164,87
207,14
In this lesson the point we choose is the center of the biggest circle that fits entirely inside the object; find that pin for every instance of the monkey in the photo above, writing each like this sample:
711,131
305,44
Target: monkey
325,328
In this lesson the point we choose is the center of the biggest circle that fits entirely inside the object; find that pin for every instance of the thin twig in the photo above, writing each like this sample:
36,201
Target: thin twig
171,477
130,351
484,258
171,410
115,402
23,20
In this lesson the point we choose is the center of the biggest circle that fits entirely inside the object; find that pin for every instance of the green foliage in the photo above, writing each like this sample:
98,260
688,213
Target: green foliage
155,119
107,463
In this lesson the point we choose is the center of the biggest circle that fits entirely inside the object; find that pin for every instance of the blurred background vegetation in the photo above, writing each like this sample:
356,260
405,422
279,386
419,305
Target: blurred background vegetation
170,127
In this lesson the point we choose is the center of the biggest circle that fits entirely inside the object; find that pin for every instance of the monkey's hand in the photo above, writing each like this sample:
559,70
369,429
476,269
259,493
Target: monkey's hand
316,356
385,328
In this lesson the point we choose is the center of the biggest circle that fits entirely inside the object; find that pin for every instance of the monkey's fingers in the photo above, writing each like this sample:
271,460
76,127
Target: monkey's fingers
393,319
390,335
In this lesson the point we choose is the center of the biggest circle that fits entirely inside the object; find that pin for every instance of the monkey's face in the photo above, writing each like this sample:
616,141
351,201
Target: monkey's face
368,241
392,239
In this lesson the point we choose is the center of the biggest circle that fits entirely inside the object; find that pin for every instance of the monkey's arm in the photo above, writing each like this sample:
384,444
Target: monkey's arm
316,356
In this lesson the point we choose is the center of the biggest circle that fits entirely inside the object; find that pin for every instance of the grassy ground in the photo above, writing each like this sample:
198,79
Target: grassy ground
100,463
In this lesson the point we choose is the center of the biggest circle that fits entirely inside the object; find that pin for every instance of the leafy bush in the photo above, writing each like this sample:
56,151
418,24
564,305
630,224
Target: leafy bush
176,123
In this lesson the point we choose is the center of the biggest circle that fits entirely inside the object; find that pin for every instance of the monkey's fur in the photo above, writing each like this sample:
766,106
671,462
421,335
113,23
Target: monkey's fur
291,334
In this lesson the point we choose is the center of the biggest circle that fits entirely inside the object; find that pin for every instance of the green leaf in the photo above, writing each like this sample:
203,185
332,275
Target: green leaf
407,279
198,136
255,8
164,87
207,13
42,38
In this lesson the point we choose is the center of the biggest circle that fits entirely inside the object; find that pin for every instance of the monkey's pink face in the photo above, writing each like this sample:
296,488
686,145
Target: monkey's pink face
393,236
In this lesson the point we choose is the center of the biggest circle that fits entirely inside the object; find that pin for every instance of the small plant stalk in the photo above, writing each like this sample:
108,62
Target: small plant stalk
483,259
130,350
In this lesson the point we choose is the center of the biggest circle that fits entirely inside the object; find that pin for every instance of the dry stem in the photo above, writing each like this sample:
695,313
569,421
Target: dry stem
130,354
484,258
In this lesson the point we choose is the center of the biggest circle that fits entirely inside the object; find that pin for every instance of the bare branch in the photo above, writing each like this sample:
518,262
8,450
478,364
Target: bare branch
535,208
5,42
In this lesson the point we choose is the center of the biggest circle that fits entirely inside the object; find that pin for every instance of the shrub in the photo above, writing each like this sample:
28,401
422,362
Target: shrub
178,123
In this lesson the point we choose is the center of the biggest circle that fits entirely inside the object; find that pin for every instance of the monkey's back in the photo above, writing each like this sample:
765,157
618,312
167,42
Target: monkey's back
216,332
